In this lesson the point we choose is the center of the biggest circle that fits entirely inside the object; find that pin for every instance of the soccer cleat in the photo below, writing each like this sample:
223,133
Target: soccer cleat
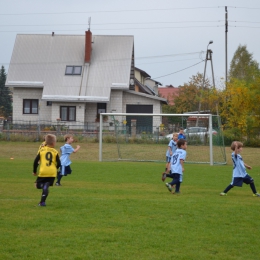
163,176
169,187
57,184
256,195
223,194
42,204
176,192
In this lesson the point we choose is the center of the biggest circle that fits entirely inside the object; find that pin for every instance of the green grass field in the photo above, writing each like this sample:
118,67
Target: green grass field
122,210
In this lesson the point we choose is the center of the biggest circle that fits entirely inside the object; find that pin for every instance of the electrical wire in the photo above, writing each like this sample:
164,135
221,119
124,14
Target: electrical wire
97,24
118,29
179,70
113,11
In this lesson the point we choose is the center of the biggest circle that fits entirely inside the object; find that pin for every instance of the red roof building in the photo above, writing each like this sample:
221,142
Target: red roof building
169,92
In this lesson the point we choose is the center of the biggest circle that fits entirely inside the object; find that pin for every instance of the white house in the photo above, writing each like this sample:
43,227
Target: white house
75,77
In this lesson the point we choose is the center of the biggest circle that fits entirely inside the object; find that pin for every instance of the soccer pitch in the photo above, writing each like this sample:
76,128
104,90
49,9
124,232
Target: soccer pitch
122,210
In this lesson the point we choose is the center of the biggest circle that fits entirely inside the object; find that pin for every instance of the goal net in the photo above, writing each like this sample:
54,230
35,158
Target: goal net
145,137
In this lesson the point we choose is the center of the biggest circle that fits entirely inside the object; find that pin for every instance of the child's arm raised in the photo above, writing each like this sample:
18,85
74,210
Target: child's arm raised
76,149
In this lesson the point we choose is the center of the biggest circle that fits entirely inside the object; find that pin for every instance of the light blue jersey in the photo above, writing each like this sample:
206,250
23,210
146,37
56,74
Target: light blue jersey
173,146
239,169
66,150
176,166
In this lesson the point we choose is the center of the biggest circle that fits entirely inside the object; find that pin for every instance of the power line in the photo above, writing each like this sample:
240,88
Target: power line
179,70
242,21
167,61
136,58
115,11
237,7
168,55
118,29
241,26
133,10
95,24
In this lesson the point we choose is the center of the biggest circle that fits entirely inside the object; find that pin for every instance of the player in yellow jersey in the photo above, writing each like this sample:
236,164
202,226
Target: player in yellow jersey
49,163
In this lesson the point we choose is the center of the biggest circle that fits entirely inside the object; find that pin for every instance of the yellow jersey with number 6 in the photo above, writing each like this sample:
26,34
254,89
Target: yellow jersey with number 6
48,162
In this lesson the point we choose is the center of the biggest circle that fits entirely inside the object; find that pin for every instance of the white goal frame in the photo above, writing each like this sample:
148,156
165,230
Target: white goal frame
141,114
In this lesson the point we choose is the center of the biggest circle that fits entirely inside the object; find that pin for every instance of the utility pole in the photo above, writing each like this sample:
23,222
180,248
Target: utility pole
208,57
226,31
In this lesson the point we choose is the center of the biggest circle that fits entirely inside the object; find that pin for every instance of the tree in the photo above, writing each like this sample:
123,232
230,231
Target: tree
239,110
191,94
243,66
5,96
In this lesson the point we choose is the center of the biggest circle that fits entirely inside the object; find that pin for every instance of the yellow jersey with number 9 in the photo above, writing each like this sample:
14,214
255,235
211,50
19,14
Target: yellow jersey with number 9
48,162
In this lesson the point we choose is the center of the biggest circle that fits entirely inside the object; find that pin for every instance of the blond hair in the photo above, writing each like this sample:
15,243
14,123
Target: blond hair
50,139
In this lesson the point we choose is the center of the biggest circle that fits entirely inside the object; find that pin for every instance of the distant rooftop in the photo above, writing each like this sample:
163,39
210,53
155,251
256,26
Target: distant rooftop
168,92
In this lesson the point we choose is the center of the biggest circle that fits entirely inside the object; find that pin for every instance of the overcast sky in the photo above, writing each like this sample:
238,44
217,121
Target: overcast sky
170,37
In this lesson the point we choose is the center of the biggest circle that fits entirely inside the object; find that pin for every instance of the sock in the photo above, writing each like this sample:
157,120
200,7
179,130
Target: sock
45,192
252,186
229,187
59,178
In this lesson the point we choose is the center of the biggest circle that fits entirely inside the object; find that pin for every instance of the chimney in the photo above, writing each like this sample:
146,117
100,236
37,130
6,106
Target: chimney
88,41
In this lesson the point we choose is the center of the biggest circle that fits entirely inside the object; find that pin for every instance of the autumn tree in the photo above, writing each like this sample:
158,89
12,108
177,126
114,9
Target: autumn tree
191,94
5,96
239,107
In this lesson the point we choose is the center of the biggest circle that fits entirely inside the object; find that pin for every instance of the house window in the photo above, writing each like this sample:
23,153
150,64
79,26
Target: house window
68,113
49,103
101,108
30,106
73,70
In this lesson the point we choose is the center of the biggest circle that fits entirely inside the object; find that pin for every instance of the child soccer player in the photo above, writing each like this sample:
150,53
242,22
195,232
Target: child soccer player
66,150
49,163
181,134
240,175
176,166
172,146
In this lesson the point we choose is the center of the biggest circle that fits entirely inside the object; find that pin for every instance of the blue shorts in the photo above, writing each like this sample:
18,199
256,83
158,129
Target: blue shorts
175,176
64,170
238,181
168,159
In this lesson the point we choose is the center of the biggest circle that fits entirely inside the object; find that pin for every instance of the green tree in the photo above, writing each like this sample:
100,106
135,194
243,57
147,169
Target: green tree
5,96
243,66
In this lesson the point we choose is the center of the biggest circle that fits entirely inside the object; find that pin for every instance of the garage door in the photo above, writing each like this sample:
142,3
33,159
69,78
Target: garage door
144,123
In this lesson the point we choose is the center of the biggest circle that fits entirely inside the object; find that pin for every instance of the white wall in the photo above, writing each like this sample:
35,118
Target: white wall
19,94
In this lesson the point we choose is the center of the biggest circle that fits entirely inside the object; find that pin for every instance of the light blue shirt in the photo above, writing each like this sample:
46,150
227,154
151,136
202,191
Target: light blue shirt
239,169
176,166
66,150
173,145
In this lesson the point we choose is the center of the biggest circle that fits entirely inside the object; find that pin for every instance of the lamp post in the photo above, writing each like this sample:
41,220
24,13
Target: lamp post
208,57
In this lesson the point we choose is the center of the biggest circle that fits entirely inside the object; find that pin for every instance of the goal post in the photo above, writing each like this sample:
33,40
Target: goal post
145,137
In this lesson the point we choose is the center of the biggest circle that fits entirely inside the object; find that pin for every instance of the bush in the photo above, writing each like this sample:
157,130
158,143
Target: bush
231,135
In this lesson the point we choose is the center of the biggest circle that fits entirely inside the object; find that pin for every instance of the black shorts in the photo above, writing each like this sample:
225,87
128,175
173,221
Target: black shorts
64,170
238,181
168,159
43,180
